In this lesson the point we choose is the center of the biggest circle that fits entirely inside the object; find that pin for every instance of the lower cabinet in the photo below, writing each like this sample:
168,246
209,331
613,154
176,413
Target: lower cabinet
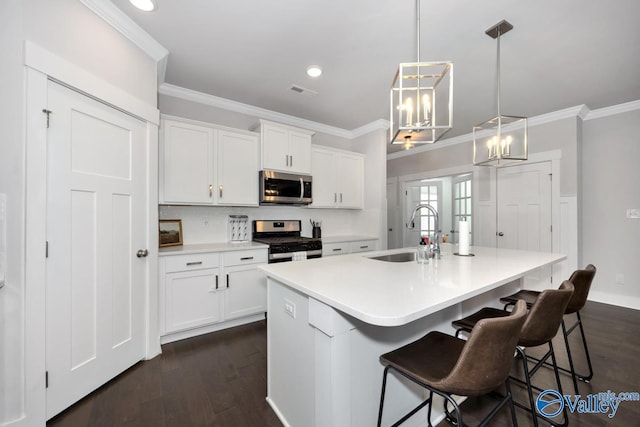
203,290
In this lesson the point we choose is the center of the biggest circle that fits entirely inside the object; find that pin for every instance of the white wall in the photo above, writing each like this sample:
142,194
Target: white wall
12,183
610,186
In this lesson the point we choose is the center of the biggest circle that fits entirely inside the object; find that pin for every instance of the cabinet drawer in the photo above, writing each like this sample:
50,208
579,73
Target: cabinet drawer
191,262
363,246
335,249
253,256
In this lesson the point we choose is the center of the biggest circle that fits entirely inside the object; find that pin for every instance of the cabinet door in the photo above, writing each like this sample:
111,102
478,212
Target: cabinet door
350,181
186,164
237,169
245,291
300,152
275,148
191,299
324,178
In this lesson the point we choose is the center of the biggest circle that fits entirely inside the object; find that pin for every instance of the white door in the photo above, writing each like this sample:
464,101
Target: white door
96,222
524,211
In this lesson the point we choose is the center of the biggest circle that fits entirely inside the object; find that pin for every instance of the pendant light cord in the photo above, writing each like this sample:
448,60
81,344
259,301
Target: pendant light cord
418,30
498,74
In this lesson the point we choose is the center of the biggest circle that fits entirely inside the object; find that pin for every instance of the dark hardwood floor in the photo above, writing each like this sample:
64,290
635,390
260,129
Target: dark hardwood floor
219,379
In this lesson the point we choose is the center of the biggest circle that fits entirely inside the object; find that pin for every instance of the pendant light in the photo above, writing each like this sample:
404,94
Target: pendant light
421,98
501,140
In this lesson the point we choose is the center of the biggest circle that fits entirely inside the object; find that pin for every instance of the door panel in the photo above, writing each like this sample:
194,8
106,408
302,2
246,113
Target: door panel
96,222
524,212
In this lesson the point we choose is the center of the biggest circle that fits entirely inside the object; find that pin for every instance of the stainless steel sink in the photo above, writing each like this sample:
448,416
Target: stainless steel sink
400,257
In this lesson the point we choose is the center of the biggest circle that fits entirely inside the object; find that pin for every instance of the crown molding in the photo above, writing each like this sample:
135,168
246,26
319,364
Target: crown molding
251,110
132,31
613,110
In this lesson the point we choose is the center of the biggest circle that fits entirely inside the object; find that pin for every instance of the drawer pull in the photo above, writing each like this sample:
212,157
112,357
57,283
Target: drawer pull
194,263
227,281
337,249
246,258
364,247
216,281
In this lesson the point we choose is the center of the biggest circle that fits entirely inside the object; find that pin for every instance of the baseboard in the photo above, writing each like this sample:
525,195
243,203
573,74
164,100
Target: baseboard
615,299
190,333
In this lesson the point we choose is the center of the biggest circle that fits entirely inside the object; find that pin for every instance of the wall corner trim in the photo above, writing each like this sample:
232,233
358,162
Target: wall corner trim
613,110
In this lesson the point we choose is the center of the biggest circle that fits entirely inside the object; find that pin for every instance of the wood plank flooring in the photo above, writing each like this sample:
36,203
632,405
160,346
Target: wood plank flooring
219,379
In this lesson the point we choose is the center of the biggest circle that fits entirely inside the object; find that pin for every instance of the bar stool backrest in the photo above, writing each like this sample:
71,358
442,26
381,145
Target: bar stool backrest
486,358
581,280
545,315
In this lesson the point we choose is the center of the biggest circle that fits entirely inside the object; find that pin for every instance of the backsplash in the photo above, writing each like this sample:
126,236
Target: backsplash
206,224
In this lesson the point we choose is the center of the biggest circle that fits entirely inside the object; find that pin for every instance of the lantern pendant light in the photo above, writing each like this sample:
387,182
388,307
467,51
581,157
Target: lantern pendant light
502,140
421,99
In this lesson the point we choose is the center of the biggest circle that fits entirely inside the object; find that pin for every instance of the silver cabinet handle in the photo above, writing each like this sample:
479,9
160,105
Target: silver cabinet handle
210,190
220,191
337,249
216,281
340,197
227,281
246,258
142,253
335,197
291,161
194,263
286,158
364,247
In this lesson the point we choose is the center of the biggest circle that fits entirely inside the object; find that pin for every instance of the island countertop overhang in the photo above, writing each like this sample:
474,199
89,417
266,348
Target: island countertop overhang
394,294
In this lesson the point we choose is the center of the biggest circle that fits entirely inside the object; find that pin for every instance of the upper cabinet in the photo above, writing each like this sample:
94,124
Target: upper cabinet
205,165
338,178
285,148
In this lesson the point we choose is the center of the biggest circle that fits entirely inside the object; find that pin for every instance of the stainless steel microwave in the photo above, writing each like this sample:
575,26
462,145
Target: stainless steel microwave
284,188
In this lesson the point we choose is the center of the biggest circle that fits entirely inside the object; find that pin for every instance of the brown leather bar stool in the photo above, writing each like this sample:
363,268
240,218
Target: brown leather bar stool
581,280
446,365
539,328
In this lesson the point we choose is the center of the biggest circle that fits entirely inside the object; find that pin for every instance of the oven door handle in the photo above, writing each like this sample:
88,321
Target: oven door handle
301,189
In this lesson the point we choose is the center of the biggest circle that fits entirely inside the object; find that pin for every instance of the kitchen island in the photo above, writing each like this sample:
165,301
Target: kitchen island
329,320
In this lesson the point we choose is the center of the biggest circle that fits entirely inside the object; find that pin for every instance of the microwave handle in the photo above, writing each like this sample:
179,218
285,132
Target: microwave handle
301,189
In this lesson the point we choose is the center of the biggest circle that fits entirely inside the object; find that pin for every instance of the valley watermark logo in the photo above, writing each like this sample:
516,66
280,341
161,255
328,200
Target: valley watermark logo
550,403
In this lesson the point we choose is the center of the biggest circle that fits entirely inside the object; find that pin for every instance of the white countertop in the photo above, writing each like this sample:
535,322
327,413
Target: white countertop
210,247
347,238
392,294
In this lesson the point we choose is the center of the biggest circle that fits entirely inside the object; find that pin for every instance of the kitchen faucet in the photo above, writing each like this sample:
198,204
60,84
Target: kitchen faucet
436,237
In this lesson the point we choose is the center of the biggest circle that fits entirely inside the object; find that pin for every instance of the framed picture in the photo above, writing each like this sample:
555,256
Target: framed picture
170,232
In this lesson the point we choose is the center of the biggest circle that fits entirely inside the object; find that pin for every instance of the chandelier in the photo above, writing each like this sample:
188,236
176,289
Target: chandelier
421,98
501,140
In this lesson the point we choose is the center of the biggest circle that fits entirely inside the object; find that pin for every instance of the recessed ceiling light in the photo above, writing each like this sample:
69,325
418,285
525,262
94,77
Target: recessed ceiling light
314,71
145,5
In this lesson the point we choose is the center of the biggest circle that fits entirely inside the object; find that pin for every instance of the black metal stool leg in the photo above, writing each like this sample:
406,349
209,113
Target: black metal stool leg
384,386
568,347
512,407
586,378
557,375
527,376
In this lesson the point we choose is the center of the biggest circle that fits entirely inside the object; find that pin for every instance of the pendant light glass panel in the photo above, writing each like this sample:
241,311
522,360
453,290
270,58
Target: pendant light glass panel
421,102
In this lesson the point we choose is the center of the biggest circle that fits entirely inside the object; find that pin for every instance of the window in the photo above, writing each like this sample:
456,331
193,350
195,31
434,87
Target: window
423,192
461,204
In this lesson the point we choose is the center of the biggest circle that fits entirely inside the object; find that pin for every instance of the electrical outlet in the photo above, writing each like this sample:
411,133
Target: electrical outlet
633,213
619,279
290,308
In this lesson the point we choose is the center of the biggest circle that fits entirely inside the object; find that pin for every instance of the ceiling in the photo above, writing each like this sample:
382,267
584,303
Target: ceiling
560,54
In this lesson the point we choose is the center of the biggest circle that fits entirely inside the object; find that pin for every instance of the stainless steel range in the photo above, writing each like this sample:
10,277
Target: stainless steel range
284,240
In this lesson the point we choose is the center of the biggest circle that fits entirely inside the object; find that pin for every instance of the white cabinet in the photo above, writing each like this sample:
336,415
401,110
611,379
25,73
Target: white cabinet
186,163
338,178
285,148
190,292
200,291
204,165
348,247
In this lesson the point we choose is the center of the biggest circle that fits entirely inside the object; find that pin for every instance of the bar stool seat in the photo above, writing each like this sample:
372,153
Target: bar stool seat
446,365
581,280
539,328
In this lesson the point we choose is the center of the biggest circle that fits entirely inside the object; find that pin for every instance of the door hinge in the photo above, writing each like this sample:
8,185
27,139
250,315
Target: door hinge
48,113
46,249
551,176
46,379
551,227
